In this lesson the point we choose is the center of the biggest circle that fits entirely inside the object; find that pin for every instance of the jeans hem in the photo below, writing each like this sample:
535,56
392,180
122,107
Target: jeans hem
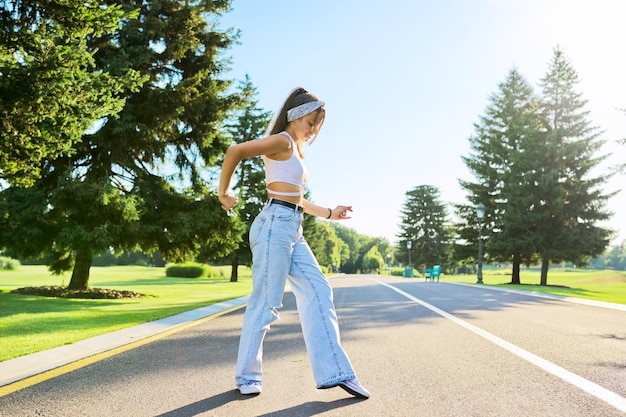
243,382
334,381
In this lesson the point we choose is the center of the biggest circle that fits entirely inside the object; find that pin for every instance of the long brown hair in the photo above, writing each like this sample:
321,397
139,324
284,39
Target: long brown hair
297,97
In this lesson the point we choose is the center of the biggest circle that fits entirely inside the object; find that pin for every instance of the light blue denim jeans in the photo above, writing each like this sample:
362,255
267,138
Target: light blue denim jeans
279,252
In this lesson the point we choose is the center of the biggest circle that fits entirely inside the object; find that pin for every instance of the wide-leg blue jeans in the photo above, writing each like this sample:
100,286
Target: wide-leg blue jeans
279,252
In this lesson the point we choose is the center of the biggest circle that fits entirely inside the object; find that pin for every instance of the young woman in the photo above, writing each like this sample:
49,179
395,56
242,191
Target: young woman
280,252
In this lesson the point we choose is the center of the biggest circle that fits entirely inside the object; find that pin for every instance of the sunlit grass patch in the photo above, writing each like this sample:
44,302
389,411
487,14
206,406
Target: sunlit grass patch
599,285
29,324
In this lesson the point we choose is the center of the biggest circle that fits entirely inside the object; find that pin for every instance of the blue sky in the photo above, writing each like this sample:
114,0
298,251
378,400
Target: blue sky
404,82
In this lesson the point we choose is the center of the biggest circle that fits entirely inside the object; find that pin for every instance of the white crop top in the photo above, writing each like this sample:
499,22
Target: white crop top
292,171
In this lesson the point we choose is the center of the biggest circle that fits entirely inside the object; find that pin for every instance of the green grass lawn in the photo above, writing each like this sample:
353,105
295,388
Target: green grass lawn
30,324
603,285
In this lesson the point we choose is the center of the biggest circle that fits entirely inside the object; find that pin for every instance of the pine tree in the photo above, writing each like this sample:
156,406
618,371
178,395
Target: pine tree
571,201
504,163
251,124
139,180
49,93
424,224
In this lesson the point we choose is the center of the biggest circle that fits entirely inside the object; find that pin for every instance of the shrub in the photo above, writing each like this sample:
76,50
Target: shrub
397,272
189,270
9,264
214,272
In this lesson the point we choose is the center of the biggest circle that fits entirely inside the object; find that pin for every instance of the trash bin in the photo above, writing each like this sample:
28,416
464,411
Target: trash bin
408,272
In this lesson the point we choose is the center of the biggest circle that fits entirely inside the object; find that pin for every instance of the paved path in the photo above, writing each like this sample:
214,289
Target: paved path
421,348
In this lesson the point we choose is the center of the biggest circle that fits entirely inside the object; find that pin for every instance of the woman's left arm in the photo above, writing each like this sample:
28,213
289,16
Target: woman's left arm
338,213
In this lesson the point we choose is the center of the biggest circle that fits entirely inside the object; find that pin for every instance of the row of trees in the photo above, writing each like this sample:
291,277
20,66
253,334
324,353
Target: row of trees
613,258
115,114
533,159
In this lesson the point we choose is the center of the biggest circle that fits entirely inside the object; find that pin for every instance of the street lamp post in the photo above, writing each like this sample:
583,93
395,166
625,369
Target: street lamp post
408,270
480,213
408,248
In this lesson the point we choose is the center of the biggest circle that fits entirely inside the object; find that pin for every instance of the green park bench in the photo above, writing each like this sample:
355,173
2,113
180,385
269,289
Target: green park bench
431,274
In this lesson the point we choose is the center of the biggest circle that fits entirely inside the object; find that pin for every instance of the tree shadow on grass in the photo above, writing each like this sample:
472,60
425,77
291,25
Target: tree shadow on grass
555,290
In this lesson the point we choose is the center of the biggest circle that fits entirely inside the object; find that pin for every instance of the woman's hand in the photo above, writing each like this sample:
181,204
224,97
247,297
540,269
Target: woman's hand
340,213
228,201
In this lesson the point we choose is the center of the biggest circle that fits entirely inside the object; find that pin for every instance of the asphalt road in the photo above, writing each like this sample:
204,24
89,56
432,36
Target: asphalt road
421,348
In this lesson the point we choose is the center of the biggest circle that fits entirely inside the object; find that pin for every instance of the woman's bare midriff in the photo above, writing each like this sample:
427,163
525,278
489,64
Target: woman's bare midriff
285,187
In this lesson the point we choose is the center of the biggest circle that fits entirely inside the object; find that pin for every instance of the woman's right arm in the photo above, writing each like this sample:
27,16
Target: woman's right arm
267,146
231,160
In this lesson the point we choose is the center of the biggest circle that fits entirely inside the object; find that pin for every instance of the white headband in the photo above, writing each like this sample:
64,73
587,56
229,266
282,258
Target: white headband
303,109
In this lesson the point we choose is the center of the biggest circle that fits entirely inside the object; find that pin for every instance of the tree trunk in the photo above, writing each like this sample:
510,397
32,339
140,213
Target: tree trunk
516,269
545,264
234,271
80,274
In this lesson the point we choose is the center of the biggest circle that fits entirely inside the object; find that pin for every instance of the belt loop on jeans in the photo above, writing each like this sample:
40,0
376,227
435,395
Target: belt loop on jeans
286,204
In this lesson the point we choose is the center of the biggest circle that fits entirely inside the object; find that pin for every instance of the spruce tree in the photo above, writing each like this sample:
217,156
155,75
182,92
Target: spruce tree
570,198
424,224
505,148
251,123
139,180
49,93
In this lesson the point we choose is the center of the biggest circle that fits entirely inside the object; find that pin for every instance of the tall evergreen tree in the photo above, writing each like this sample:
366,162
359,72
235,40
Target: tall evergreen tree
571,201
49,93
506,144
138,181
251,123
424,224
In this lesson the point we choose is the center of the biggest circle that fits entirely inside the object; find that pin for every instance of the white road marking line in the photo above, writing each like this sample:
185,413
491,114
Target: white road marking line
592,388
